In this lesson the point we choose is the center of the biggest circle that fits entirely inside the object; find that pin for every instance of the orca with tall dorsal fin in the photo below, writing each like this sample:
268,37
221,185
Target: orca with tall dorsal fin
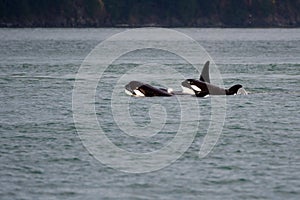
203,87
204,77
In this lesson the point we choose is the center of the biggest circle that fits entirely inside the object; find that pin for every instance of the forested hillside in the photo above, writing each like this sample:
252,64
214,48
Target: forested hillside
168,13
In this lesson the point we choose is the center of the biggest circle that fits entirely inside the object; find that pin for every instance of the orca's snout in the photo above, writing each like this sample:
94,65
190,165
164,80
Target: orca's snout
128,87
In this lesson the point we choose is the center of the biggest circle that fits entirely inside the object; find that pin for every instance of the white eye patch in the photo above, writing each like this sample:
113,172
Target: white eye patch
138,93
196,88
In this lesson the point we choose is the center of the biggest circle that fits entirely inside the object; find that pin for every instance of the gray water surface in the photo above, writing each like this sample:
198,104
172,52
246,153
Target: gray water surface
256,157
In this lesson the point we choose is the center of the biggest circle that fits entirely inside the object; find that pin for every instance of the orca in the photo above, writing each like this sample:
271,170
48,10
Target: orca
204,77
202,89
139,89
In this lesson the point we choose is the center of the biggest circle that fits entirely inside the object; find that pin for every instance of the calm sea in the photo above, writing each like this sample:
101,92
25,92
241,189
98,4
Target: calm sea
257,155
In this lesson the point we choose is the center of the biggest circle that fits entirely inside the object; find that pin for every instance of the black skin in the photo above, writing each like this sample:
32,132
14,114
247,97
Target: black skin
209,89
146,89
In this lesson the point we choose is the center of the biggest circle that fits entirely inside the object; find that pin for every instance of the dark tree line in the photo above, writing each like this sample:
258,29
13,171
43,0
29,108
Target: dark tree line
192,12
237,13
48,12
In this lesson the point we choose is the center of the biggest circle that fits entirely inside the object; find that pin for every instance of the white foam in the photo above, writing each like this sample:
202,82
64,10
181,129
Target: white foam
170,90
242,91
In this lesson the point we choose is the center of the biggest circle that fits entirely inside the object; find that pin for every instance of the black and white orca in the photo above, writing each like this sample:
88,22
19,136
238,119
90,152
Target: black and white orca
204,76
203,87
139,89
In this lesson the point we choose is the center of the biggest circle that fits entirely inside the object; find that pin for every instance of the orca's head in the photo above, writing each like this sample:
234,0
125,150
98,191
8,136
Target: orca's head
132,88
188,86
187,83
128,87
234,89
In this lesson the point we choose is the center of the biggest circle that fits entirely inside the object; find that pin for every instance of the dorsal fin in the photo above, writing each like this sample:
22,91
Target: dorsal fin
205,73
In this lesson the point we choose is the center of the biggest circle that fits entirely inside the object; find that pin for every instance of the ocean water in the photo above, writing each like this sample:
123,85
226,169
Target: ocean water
42,156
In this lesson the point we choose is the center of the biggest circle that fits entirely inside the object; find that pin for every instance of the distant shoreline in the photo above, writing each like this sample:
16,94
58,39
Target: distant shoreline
136,13
147,26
